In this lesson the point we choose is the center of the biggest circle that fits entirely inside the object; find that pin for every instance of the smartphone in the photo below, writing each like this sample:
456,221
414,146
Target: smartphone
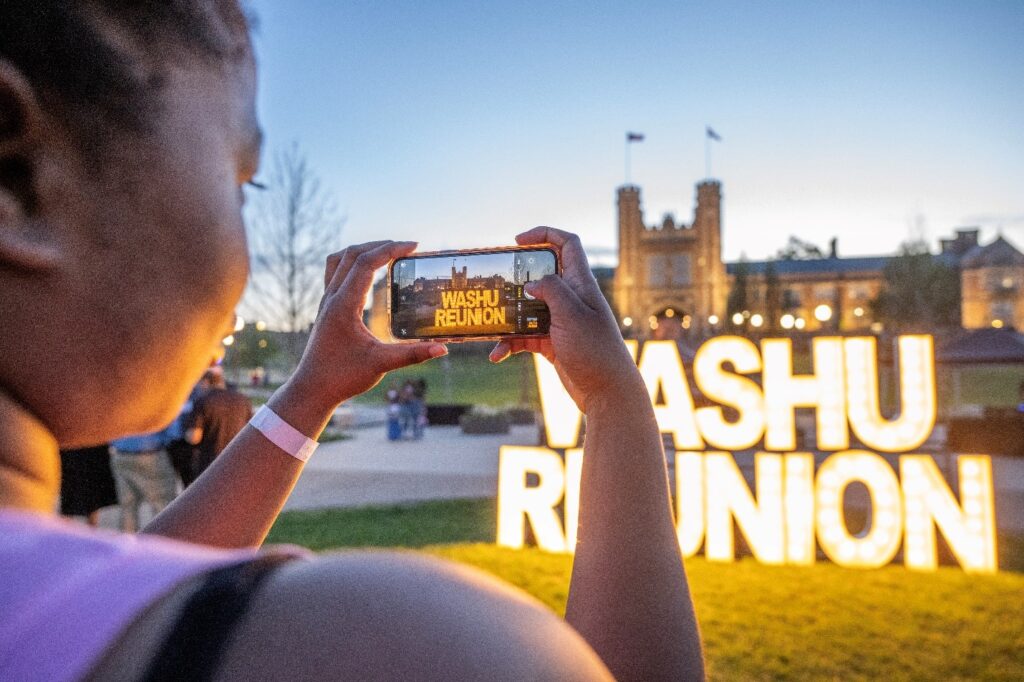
469,295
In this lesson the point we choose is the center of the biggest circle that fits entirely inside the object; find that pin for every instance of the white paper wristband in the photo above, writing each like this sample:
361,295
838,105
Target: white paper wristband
282,434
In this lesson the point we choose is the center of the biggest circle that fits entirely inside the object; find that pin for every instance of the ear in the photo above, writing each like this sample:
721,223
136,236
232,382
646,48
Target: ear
23,242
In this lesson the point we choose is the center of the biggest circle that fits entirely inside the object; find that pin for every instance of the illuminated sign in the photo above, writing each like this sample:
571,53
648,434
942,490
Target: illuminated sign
460,308
795,507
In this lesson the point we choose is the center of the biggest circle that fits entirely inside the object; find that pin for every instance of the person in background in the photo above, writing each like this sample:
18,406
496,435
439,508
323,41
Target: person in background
143,473
86,482
394,414
216,418
410,409
180,450
419,392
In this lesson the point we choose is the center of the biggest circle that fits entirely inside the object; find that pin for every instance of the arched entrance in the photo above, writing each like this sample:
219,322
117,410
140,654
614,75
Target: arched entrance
669,322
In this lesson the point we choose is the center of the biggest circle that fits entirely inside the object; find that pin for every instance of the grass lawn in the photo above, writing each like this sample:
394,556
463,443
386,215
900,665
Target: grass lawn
468,378
758,622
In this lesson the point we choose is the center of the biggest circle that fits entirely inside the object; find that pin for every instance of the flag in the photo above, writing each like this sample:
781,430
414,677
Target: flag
713,135
634,137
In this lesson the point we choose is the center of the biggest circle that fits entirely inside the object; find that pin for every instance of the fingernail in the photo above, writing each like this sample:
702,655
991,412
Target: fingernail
530,287
437,350
496,358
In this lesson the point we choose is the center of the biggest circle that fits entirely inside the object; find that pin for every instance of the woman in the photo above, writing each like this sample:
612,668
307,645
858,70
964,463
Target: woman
126,133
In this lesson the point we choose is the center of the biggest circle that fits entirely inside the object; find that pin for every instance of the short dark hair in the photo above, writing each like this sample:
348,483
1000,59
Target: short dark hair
63,49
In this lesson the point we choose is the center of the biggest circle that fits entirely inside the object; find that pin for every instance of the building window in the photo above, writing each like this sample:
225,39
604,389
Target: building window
680,269
824,292
668,270
655,270
1002,312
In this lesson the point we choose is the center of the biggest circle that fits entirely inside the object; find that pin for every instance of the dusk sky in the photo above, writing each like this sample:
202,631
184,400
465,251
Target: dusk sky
459,124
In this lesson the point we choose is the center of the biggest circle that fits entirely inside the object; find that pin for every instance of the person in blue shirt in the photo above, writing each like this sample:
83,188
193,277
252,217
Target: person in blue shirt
143,474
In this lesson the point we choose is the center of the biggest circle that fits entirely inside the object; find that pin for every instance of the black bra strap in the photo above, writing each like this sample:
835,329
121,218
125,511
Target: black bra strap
194,648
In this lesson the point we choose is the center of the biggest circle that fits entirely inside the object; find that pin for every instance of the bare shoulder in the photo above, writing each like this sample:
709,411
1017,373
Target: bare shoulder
364,615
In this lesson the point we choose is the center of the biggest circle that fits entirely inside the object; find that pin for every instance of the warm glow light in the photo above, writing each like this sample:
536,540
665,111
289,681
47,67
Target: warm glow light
535,504
732,389
761,522
969,527
627,321
793,511
798,501
229,340
562,417
823,390
800,323
690,501
670,313
662,372
823,313
261,326
787,321
263,343
917,394
998,324
239,323
879,545
756,320
737,318
858,312
712,319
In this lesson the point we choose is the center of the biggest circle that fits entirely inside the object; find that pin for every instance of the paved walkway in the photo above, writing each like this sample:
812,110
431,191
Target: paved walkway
369,469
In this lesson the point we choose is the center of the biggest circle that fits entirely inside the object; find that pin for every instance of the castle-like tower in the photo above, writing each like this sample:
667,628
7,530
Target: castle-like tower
671,278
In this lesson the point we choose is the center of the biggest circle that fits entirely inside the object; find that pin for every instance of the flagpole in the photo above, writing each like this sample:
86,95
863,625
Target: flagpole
707,155
627,159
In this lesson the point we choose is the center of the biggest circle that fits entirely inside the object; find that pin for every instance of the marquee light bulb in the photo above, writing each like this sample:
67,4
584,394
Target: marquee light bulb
969,527
731,389
917,394
761,522
823,390
690,501
882,540
661,368
534,504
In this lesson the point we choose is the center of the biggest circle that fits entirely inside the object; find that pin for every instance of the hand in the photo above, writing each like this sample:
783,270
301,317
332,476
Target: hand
342,358
584,343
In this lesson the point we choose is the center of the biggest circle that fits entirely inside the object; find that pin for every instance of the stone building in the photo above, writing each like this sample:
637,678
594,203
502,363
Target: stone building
670,275
671,281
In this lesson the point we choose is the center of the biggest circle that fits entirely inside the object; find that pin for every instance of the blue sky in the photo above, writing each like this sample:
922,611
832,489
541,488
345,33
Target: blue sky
461,123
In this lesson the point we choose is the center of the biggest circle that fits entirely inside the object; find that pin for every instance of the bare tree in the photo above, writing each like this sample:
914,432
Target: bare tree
293,226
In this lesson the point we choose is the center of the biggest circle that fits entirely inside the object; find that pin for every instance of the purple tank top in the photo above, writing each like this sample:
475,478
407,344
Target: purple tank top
68,591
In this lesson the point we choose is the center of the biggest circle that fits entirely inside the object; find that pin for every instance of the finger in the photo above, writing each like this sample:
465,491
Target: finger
395,355
575,266
360,276
345,260
559,297
501,350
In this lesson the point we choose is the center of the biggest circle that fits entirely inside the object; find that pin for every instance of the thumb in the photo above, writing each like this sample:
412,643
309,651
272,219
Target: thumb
395,355
553,290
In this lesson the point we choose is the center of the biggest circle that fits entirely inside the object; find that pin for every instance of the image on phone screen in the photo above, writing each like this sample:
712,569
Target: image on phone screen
469,294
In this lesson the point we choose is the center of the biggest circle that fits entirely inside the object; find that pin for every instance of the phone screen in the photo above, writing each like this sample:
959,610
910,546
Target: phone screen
469,294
